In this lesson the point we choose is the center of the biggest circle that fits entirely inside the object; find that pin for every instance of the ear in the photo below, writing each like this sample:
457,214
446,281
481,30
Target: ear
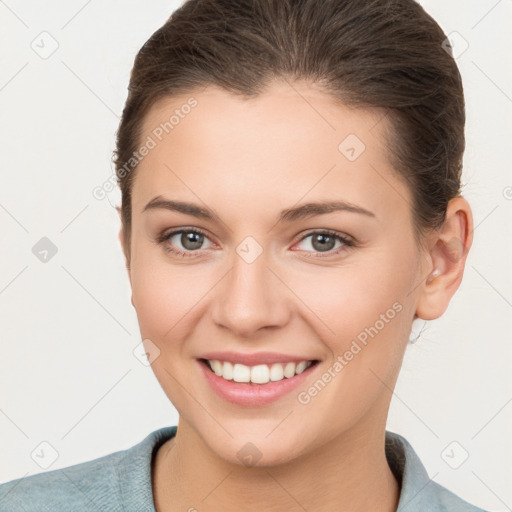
126,256
124,249
127,259
449,247
122,241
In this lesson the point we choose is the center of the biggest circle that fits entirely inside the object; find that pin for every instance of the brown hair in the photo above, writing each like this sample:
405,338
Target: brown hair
372,54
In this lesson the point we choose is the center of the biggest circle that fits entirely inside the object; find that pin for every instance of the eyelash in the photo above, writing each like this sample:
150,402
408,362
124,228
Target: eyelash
164,237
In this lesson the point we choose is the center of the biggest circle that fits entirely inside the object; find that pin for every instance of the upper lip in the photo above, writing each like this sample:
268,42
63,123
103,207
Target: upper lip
255,358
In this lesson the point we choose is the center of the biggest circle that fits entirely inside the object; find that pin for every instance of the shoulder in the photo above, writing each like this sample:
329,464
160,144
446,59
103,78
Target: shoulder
448,501
104,483
418,491
70,488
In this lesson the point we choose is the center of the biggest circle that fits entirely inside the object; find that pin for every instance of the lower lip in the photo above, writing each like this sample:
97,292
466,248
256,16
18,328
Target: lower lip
250,395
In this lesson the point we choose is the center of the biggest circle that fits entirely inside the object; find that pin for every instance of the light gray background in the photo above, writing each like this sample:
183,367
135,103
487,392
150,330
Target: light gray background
68,375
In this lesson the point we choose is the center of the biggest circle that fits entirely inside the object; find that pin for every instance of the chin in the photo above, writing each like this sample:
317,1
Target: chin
257,450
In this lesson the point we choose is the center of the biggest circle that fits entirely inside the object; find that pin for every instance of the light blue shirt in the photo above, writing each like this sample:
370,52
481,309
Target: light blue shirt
121,482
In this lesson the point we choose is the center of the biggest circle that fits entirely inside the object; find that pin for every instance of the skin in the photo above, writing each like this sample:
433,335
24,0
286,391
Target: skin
247,160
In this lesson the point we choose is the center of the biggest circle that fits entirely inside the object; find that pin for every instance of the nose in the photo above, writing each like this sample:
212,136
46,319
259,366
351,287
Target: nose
250,298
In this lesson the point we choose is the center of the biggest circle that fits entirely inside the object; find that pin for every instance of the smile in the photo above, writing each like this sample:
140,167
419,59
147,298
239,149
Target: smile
259,374
256,385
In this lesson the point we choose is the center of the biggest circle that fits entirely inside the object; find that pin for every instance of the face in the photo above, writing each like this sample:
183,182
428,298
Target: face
256,273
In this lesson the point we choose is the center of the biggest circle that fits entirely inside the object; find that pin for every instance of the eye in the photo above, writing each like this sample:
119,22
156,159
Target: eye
325,241
191,239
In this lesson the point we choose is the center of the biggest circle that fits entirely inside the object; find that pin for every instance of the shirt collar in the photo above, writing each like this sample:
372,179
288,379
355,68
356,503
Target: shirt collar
134,471
418,491
410,473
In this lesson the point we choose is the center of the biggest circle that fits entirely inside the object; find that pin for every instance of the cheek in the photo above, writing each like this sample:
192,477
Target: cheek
343,303
364,308
161,300
157,291
167,296
367,312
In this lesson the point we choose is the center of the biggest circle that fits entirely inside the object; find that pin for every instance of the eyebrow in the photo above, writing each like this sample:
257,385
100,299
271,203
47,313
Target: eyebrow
302,211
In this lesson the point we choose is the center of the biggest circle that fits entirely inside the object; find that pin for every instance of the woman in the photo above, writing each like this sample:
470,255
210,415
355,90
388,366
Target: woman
290,176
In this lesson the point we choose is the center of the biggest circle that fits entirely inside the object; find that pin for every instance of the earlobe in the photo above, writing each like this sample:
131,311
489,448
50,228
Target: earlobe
449,248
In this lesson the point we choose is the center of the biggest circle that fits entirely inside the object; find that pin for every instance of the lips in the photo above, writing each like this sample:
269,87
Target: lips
249,394
259,374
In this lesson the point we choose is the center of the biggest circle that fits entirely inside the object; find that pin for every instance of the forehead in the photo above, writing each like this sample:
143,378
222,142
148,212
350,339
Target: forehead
286,110
290,142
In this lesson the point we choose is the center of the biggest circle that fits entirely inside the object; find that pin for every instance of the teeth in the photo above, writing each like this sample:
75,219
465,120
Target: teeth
301,367
216,366
241,373
260,374
276,372
289,370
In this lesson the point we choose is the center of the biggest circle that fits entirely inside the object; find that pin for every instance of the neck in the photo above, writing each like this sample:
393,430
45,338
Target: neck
349,473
